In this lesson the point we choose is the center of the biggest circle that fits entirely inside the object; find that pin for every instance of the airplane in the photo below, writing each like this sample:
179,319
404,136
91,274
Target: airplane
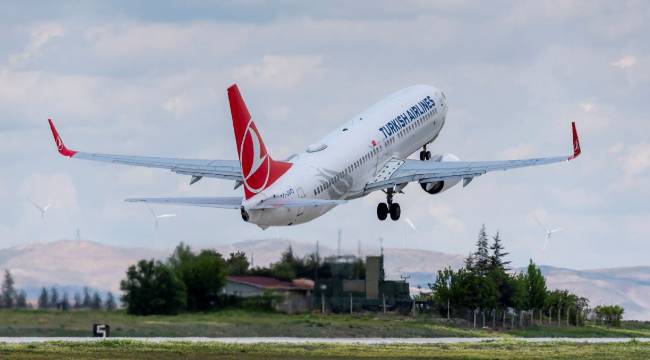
368,153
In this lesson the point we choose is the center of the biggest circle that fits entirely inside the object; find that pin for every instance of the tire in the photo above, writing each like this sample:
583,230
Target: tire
422,156
382,211
427,155
395,211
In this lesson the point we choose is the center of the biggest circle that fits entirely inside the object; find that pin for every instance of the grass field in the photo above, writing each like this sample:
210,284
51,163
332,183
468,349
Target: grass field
498,350
233,323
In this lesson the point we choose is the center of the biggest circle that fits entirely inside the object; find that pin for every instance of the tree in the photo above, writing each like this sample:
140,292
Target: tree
8,294
110,302
203,276
54,298
441,289
78,303
482,256
152,287
496,259
96,303
536,287
237,263
43,299
65,302
87,300
610,315
21,300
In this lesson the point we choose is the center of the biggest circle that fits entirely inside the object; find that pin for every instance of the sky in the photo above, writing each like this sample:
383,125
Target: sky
133,78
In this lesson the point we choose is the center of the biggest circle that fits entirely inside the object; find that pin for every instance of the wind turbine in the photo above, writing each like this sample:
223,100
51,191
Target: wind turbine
410,223
158,217
548,232
41,209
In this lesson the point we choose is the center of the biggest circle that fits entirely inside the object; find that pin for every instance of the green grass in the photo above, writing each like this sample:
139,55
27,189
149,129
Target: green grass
231,323
495,350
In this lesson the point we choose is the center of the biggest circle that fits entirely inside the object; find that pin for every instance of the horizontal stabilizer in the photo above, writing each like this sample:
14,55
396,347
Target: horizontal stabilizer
225,202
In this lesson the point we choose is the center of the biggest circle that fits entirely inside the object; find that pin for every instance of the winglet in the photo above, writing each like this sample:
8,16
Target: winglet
576,143
59,143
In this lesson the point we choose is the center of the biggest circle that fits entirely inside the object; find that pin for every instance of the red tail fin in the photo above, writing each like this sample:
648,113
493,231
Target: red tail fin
258,168
576,142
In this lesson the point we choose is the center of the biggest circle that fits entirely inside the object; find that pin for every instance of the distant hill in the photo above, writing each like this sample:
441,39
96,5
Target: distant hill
71,264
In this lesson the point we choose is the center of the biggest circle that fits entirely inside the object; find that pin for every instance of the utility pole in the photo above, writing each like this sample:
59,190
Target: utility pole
383,300
350,303
338,245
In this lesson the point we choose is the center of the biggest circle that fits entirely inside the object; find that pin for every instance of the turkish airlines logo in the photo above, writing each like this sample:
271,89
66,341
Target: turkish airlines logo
255,161
59,142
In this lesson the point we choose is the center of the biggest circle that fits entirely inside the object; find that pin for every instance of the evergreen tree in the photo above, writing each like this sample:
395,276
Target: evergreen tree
54,298
43,299
21,300
536,286
110,302
87,300
496,259
65,302
469,262
237,263
78,303
96,303
8,294
482,255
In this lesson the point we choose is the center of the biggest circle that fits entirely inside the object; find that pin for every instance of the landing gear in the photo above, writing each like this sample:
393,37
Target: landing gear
425,154
382,211
395,211
389,207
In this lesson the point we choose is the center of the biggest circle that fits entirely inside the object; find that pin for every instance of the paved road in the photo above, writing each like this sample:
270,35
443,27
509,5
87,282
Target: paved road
299,341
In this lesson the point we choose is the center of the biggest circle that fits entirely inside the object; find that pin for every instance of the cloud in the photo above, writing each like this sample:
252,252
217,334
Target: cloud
444,214
586,106
517,152
280,71
178,105
636,159
625,62
40,35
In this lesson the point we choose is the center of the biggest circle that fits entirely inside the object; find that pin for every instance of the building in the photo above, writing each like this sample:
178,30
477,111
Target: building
351,283
290,296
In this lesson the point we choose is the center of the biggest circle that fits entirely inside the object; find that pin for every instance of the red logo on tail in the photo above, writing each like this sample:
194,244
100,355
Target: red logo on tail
259,170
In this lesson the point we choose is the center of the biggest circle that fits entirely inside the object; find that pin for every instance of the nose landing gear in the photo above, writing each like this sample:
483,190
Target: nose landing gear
389,207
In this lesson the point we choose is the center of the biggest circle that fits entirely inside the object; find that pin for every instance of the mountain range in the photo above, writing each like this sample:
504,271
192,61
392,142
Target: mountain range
71,264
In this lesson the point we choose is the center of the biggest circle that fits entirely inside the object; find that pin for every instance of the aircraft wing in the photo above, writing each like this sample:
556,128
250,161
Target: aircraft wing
222,169
224,202
399,172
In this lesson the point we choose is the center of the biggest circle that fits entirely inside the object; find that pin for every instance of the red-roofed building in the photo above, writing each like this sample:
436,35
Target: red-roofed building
294,296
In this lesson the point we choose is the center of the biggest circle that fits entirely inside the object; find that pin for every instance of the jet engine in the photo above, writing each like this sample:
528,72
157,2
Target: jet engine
437,187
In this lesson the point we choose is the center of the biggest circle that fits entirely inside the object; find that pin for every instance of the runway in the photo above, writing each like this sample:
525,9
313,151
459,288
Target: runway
303,341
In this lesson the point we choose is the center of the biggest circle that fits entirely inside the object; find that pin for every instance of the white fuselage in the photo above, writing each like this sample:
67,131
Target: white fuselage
339,166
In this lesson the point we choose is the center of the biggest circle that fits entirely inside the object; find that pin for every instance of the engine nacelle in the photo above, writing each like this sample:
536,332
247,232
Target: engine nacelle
437,187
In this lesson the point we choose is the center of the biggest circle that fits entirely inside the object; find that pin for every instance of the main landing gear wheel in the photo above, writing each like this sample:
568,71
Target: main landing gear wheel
382,211
395,211
389,207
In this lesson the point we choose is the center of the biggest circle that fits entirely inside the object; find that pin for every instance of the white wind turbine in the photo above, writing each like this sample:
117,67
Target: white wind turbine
548,232
158,217
41,209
